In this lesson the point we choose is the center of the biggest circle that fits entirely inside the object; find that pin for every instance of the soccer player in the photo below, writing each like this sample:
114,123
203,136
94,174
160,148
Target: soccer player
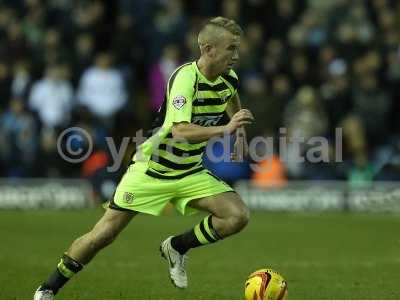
167,168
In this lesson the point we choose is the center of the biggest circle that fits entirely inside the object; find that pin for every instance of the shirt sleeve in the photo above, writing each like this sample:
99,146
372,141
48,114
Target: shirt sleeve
181,88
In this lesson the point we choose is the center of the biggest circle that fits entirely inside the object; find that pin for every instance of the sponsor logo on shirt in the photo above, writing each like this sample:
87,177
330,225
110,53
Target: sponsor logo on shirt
225,95
206,120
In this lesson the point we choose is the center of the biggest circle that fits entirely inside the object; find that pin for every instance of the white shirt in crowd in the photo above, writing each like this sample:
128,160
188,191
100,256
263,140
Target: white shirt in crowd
102,91
53,100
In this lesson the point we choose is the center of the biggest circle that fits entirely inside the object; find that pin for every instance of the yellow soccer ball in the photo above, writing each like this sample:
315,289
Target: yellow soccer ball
265,284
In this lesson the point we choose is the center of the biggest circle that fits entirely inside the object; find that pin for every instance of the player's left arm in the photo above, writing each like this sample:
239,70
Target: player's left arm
234,105
241,147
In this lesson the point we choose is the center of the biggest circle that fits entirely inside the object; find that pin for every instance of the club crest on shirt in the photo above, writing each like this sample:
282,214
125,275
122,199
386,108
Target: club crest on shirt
179,101
128,197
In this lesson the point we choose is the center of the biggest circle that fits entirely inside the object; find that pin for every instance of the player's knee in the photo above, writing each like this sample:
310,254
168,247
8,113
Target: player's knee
240,218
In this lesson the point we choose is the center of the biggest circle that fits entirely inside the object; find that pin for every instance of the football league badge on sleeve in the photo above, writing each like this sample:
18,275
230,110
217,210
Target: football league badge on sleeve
179,101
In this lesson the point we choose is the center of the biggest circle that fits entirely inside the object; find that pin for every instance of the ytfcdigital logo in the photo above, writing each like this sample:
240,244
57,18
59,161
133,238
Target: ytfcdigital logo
75,145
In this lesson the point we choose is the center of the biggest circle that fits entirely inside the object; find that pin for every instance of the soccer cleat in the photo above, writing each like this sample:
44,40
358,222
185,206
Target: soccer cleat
43,294
176,262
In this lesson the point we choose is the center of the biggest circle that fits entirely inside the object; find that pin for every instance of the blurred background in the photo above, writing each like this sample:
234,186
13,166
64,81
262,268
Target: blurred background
308,66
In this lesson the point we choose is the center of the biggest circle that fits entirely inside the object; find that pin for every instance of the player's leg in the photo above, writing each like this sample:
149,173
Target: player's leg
84,249
228,215
103,233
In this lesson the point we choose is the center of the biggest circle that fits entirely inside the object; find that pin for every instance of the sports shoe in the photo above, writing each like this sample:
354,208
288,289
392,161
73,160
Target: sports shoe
43,294
176,262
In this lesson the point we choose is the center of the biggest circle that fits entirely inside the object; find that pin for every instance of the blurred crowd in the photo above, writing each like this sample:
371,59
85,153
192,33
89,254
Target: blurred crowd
307,66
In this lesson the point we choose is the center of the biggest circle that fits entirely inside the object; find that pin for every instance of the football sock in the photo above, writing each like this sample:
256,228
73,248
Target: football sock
67,268
202,234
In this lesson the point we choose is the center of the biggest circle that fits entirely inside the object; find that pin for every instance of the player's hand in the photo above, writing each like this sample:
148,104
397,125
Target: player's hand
241,147
239,119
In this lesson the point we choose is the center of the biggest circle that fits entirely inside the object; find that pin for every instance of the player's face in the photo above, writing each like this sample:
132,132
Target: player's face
227,52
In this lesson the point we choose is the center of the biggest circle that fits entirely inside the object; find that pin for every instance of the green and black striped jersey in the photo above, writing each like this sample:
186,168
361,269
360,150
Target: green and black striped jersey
190,97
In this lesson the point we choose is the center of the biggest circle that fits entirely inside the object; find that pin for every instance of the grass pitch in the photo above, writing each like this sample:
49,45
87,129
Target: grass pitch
322,256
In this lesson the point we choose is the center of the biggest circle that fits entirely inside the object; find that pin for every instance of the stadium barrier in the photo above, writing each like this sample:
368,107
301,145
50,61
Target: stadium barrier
29,194
322,196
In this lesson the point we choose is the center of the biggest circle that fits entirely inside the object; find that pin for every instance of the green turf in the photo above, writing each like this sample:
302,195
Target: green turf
323,256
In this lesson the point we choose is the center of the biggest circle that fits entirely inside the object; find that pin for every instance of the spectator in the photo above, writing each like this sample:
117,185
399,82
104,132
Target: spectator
253,43
269,171
22,80
83,53
372,106
18,138
169,26
358,168
277,100
336,96
102,89
273,61
34,24
5,83
88,16
304,118
52,97
160,73
255,93
390,169
16,45
231,9
53,51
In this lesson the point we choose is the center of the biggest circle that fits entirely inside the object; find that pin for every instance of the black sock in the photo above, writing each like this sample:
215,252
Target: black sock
202,234
183,242
54,282
64,272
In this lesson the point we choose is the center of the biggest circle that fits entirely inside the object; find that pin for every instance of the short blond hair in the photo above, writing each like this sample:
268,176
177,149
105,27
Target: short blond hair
211,26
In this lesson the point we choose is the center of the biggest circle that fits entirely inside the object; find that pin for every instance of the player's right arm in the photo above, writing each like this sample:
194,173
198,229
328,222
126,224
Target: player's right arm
196,133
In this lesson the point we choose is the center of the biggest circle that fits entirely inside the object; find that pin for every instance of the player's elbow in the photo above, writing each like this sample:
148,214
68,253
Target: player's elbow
179,131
